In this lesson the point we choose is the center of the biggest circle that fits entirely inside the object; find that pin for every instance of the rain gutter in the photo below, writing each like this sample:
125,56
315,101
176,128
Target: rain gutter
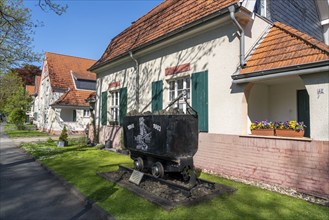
282,72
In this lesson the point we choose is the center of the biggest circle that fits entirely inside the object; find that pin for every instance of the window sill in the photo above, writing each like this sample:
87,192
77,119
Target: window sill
277,137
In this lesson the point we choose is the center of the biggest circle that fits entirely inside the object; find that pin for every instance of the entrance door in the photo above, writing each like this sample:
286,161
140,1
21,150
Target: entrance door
303,109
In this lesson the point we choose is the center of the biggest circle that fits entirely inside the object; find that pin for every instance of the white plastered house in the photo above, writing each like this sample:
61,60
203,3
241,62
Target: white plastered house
64,85
236,67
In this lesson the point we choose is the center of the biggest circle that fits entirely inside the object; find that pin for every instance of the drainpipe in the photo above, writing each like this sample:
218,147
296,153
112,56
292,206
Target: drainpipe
99,110
282,74
137,79
241,32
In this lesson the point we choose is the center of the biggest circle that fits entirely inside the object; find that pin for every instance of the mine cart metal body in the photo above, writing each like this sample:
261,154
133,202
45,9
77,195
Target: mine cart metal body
161,143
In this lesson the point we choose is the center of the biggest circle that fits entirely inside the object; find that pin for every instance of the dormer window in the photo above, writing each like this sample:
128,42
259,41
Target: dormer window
84,83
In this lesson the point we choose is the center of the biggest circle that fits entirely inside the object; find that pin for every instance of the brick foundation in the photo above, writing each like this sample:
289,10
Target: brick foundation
299,164
111,132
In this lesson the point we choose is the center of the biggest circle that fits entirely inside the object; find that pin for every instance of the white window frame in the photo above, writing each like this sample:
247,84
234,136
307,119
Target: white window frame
174,91
114,105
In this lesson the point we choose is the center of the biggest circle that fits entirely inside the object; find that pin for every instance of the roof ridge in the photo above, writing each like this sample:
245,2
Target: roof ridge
311,40
70,56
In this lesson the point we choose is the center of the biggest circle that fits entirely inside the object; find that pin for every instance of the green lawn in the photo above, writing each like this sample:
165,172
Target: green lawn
79,164
29,131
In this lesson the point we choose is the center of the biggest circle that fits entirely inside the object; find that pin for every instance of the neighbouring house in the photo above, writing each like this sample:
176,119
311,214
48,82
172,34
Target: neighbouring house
63,87
235,67
30,90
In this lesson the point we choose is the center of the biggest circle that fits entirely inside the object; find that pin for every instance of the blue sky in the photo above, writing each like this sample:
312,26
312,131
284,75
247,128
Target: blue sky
87,27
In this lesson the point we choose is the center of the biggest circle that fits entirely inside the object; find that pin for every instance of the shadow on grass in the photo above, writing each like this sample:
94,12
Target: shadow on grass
103,193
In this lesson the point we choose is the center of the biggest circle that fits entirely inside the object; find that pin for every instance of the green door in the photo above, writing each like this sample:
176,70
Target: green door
74,115
303,109
157,96
104,108
200,98
123,104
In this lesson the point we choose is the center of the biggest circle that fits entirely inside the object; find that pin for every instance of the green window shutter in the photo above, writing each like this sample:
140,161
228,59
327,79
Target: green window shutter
123,104
74,115
104,108
157,95
35,116
200,98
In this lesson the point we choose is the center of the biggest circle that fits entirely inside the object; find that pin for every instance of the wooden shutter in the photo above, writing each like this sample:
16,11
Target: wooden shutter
200,98
74,115
123,104
104,108
157,95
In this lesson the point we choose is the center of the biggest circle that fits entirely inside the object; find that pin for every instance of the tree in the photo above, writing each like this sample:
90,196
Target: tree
16,29
17,117
16,103
9,84
28,73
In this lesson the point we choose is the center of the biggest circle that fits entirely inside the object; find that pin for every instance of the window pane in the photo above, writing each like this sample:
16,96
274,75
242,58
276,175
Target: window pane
180,84
172,95
187,83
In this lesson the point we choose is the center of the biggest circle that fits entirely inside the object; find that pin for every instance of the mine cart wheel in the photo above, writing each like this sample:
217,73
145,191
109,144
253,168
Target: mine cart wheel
139,164
186,174
157,170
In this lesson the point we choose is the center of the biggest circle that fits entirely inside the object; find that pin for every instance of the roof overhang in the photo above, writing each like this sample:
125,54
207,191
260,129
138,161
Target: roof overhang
168,38
69,106
282,72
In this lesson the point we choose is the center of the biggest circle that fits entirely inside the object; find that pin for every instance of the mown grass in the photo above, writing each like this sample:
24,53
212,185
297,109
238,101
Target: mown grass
78,165
29,131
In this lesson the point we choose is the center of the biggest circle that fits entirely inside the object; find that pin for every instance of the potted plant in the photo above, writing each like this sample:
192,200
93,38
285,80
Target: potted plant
289,129
265,128
63,138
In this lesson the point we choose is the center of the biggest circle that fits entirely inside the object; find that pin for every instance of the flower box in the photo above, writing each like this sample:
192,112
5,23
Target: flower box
281,129
289,133
263,132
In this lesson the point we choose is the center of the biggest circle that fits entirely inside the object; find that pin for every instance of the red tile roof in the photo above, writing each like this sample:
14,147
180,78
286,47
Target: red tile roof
92,96
165,18
29,89
73,98
285,46
60,68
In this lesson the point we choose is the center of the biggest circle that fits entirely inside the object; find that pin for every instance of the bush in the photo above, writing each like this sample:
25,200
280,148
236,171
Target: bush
64,135
17,117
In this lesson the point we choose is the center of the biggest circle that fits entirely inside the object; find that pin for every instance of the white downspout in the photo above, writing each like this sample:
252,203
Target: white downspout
137,79
242,35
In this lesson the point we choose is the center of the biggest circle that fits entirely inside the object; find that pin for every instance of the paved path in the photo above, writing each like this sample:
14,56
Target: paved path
27,191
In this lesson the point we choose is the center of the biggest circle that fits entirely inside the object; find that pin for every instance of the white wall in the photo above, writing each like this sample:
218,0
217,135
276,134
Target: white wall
283,100
215,49
258,103
317,86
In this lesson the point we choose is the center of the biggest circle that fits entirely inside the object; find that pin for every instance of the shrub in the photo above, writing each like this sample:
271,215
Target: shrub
64,135
17,117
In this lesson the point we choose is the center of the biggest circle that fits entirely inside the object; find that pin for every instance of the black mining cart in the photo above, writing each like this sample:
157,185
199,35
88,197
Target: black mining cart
162,143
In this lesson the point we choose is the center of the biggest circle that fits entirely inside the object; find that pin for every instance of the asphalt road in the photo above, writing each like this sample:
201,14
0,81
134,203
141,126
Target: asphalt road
28,191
